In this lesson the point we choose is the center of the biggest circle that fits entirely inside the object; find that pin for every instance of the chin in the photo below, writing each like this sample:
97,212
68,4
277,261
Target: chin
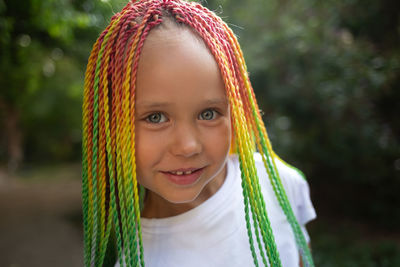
181,198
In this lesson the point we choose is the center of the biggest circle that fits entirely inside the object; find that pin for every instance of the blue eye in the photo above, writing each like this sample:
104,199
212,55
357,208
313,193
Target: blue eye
157,117
208,114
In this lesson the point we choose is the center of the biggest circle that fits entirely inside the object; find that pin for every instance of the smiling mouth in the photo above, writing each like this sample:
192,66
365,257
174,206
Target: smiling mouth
183,172
184,177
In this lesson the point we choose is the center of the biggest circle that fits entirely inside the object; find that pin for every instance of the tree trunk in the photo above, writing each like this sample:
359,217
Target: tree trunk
13,136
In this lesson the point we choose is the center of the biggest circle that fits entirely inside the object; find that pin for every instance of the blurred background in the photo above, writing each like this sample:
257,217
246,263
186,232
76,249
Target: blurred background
327,77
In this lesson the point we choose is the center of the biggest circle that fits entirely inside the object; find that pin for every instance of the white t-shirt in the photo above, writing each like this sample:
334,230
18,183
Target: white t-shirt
214,234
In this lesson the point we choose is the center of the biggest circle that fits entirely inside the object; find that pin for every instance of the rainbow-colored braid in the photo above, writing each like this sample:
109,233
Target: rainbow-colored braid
109,186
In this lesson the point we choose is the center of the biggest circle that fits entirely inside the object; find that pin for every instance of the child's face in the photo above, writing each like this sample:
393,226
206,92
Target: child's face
183,125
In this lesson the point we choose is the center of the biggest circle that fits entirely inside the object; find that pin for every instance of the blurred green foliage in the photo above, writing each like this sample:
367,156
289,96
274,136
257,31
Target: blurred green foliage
326,73
44,45
348,244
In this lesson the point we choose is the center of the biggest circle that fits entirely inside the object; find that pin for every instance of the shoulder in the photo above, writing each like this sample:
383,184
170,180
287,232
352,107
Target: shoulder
290,176
295,185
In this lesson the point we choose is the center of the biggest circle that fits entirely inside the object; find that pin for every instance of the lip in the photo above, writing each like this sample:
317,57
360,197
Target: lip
184,179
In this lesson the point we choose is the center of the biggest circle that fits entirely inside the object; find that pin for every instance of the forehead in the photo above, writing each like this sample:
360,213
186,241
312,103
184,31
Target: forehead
175,62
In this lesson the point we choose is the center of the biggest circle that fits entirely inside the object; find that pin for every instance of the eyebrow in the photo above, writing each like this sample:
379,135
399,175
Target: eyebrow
156,104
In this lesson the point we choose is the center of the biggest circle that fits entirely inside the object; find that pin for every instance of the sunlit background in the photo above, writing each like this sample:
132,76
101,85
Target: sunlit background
327,77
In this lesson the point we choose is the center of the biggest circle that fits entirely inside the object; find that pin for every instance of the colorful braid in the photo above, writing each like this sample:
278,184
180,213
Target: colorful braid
109,185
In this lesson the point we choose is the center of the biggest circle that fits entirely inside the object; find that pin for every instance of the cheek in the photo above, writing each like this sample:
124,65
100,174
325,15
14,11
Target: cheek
146,155
146,147
219,143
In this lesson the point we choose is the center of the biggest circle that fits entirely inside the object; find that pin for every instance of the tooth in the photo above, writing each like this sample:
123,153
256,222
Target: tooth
179,173
188,172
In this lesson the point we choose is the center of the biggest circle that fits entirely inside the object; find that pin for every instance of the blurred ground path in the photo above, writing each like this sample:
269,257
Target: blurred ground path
41,225
40,222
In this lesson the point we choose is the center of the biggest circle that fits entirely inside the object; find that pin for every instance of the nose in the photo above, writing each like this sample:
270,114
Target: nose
186,141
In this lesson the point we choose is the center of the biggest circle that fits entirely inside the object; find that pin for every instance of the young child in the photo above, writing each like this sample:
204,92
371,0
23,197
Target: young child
168,106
